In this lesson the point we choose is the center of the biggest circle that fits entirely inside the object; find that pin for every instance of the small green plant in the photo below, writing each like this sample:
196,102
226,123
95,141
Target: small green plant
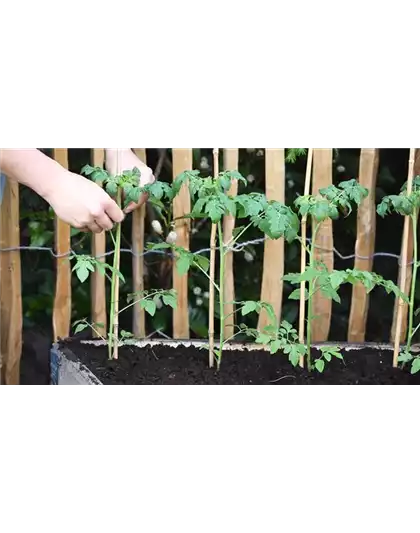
211,199
323,206
407,205
125,188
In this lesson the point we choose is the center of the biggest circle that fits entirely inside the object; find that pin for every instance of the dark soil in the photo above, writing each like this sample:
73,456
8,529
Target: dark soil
164,365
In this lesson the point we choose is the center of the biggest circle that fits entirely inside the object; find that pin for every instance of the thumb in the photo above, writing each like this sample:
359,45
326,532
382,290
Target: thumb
113,211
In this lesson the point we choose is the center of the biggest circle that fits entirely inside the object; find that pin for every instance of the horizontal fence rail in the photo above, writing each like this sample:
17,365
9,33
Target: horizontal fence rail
273,256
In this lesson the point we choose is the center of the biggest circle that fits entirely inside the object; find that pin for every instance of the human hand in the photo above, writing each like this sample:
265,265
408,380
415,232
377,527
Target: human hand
83,204
126,159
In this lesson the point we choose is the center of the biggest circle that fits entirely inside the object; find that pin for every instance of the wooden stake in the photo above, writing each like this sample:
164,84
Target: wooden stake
365,243
181,161
212,270
117,267
230,162
98,289
302,301
137,237
62,300
407,222
273,261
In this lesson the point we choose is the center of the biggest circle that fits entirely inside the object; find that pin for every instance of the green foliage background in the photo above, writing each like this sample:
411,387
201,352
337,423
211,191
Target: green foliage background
38,273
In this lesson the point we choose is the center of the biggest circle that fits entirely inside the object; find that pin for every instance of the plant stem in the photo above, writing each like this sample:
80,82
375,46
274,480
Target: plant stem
208,277
135,302
414,219
212,292
115,288
310,295
221,293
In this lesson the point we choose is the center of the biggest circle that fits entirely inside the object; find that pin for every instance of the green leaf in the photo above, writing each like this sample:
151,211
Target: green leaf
263,339
202,261
294,353
82,272
134,195
87,170
320,365
149,306
383,207
275,346
337,277
320,211
287,326
405,357
269,309
309,274
80,328
249,307
329,292
295,295
214,210
183,264
111,188
415,366
294,278
169,299
198,207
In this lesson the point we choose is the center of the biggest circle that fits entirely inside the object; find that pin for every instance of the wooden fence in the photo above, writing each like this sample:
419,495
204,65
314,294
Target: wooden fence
273,265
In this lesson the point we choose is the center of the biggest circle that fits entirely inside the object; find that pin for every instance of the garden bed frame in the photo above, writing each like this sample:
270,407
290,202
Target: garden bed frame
67,369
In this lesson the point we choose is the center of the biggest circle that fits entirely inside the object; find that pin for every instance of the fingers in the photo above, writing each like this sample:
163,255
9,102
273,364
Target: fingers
95,228
132,205
113,212
104,222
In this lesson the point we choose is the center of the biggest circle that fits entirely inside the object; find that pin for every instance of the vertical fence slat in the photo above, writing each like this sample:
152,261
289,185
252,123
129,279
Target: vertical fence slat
230,162
62,299
273,263
365,243
139,319
322,306
98,292
409,272
10,287
181,160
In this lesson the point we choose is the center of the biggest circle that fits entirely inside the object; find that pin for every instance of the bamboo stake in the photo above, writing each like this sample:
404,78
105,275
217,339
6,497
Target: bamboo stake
212,269
117,267
302,301
404,261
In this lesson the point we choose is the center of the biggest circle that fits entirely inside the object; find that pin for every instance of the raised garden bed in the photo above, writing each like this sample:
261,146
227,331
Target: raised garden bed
156,362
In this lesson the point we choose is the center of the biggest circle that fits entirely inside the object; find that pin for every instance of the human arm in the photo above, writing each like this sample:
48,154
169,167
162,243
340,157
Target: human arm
75,199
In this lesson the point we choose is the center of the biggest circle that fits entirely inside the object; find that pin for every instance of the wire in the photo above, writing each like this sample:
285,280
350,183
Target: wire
238,247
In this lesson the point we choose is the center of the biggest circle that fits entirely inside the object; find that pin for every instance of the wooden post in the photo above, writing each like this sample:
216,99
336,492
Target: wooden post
181,161
98,292
404,266
409,271
137,236
365,243
303,255
62,300
273,263
230,162
10,287
322,306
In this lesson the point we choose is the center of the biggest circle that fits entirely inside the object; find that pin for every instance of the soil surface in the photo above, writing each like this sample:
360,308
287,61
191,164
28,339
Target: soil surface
164,365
